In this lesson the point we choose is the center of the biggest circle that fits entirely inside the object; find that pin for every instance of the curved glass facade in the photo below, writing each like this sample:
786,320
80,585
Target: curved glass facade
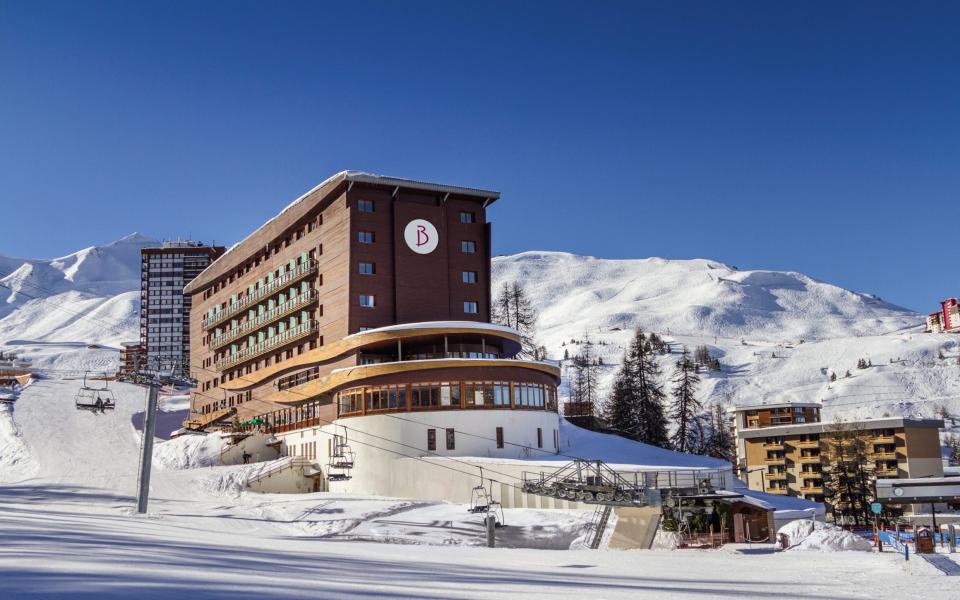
443,395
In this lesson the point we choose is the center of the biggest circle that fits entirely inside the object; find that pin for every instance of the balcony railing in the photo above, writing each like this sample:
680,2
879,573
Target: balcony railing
275,313
775,476
810,459
287,278
782,491
775,460
288,336
773,446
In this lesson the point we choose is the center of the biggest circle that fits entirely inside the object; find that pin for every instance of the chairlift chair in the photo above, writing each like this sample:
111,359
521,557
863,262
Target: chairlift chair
341,460
94,399
482,503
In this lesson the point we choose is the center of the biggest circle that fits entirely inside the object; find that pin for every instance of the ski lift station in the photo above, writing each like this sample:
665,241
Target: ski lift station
352,333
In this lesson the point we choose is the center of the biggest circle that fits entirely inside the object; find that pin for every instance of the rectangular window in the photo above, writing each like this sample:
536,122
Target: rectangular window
470,307
365,206
451,445
539,437
469,276
367,268
468,217
431,440
366,300
499,437
365,237
468,246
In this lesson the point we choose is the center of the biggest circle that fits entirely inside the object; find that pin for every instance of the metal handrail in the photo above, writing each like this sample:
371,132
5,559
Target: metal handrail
258,349
258,294
261,320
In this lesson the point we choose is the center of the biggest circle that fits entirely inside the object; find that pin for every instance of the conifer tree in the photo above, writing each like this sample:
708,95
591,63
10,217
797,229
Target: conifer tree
685,407
513,308
651,416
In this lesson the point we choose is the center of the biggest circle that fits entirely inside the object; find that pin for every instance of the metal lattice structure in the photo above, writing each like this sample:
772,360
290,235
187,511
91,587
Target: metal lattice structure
594,482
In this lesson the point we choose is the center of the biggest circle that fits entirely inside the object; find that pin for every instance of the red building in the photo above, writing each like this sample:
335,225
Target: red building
947,319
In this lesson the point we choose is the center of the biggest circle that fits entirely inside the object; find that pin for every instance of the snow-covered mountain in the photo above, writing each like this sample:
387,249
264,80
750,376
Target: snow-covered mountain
779,335
51,310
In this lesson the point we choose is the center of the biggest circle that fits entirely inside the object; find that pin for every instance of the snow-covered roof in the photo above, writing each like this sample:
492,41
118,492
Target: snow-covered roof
298,208
801,428
479,326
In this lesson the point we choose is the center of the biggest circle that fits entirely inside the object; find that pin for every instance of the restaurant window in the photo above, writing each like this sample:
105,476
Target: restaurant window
539,437
431,440
499,437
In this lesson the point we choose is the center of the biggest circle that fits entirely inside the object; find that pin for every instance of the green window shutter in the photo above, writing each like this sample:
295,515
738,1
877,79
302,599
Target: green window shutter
293,264
304,286
259,337
304,315
303,258
293,322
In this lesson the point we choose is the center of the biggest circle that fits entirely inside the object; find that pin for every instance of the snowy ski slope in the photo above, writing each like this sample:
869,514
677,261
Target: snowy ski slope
778,335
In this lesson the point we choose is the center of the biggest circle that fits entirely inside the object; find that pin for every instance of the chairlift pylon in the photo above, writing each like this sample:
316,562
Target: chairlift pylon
94,399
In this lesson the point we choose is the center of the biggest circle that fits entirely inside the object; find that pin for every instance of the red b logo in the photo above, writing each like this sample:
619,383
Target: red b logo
422,236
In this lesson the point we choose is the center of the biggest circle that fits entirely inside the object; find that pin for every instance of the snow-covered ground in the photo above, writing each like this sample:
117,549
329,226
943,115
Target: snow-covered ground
68,530
778,335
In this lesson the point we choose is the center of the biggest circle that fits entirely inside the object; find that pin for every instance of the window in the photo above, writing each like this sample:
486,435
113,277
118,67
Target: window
539,437
366,300
470,307
469,276
365,206
468,246
365,237
431,440
451,445
367,268
499,437
468,217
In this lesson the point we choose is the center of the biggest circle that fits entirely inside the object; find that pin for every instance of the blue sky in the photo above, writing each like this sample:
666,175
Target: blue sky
821,137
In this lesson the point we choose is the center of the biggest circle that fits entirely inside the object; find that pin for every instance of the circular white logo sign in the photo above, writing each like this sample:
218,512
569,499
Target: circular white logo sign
421,236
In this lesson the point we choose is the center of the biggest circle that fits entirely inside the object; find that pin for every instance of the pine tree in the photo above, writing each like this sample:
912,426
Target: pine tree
651,416
953,444
621,408
513,308
635,407
685,407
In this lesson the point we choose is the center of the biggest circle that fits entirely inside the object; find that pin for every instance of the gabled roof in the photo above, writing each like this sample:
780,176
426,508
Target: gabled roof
297,209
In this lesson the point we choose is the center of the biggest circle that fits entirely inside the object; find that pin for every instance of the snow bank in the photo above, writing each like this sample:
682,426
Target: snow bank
666,540
15,459
823,537
189,452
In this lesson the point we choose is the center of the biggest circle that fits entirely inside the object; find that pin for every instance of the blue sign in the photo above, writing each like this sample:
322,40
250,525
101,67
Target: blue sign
877,508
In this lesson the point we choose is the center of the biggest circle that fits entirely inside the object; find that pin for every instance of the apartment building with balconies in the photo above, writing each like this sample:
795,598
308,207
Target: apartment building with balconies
164,309
786,449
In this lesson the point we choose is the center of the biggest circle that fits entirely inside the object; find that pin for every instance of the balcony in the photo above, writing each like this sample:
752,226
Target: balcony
243,303
812,489
780,491
807,444
886,472
266,318
775,460
287,337
884,439
773,446
809,459
775,476
884,454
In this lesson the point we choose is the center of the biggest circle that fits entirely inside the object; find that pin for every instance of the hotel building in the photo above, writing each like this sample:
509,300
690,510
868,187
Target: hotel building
367,296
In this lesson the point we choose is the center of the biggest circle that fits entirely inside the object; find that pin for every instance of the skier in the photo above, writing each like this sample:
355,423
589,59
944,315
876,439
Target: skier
246,457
